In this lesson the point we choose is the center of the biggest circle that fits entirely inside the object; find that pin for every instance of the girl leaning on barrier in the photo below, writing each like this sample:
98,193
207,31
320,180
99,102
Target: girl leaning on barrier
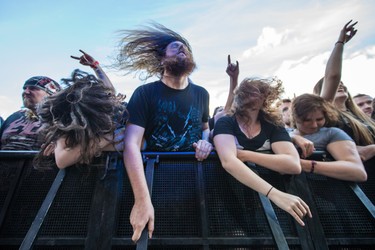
313,118
253,127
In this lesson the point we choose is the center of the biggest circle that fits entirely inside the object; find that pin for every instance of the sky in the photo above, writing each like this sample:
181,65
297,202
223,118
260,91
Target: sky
290,40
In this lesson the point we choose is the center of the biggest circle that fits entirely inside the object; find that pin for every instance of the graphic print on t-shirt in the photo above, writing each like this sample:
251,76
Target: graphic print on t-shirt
177,127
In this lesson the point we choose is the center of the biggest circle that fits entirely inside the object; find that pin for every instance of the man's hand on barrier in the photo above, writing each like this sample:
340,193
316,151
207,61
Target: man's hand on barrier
141,215
202,149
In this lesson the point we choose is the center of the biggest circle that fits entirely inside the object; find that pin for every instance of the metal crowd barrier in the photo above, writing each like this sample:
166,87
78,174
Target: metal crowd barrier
198,205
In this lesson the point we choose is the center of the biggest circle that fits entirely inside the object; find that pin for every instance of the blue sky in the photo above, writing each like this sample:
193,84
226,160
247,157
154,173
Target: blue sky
288,39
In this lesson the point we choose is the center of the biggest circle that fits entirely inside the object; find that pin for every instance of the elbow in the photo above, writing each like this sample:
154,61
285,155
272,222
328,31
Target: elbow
361,176
294,168
228,166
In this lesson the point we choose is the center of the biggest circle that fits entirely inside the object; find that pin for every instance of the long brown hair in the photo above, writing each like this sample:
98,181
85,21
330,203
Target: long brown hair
271,89
363,127
142,50
304,104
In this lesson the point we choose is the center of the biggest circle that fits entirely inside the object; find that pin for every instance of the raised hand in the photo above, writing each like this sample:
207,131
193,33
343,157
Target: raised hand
232,69
348,32
86,59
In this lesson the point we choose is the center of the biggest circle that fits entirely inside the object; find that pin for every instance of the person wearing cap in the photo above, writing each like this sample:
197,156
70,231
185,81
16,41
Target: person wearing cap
20,130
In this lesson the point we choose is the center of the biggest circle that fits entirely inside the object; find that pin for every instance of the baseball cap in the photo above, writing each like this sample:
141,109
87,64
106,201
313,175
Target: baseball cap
44,83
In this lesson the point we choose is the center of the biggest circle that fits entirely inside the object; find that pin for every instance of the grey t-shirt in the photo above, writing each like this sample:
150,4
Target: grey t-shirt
325,136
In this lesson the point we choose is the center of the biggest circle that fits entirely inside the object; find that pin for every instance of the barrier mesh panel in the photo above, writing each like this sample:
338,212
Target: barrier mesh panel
27,199
126,201
69,213
174,197
340,211
59,248
175,248
260,247
368,187
234,210
8,177
286,220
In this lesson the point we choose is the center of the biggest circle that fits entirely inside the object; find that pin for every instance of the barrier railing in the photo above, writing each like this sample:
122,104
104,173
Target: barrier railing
198,205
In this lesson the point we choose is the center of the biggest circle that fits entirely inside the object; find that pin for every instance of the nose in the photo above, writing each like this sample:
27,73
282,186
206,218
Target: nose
368,105
314,124
26,90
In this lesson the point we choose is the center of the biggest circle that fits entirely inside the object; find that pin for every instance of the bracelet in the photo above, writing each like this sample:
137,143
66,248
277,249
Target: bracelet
339,42
313,163
269,192
94,65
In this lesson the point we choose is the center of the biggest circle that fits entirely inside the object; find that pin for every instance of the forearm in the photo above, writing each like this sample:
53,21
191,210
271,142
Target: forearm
103,76
332,76
343,170
282,163
230,98
134,168
206,134
64,156
245,175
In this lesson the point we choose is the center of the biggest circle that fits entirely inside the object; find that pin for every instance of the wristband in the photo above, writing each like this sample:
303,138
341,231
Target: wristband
313,164
339,42
269,191
95,65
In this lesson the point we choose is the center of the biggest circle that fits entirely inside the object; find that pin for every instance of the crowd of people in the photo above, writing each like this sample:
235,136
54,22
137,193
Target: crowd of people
73,122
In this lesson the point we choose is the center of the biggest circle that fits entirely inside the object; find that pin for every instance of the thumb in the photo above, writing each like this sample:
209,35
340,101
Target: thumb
195,145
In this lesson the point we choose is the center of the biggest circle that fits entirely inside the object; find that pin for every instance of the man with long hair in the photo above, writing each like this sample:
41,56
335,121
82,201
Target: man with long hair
170,114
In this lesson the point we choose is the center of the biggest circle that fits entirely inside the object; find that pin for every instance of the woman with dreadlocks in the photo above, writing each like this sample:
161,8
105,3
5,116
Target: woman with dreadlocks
81,121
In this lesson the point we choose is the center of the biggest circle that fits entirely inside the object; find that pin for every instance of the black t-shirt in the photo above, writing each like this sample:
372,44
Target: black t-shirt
172,118
269,134
20,132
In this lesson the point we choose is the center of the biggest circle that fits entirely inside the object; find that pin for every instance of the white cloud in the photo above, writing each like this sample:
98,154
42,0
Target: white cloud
290,39
268,39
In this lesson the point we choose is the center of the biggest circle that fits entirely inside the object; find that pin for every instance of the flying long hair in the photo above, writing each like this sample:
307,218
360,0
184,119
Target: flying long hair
271,89
142,50
83,114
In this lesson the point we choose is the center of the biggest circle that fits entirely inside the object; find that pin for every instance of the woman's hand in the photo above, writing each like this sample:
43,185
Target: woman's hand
348,32
307,146
292,204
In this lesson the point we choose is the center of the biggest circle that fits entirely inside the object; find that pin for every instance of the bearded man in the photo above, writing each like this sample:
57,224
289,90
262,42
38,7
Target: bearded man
20,130
170,114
